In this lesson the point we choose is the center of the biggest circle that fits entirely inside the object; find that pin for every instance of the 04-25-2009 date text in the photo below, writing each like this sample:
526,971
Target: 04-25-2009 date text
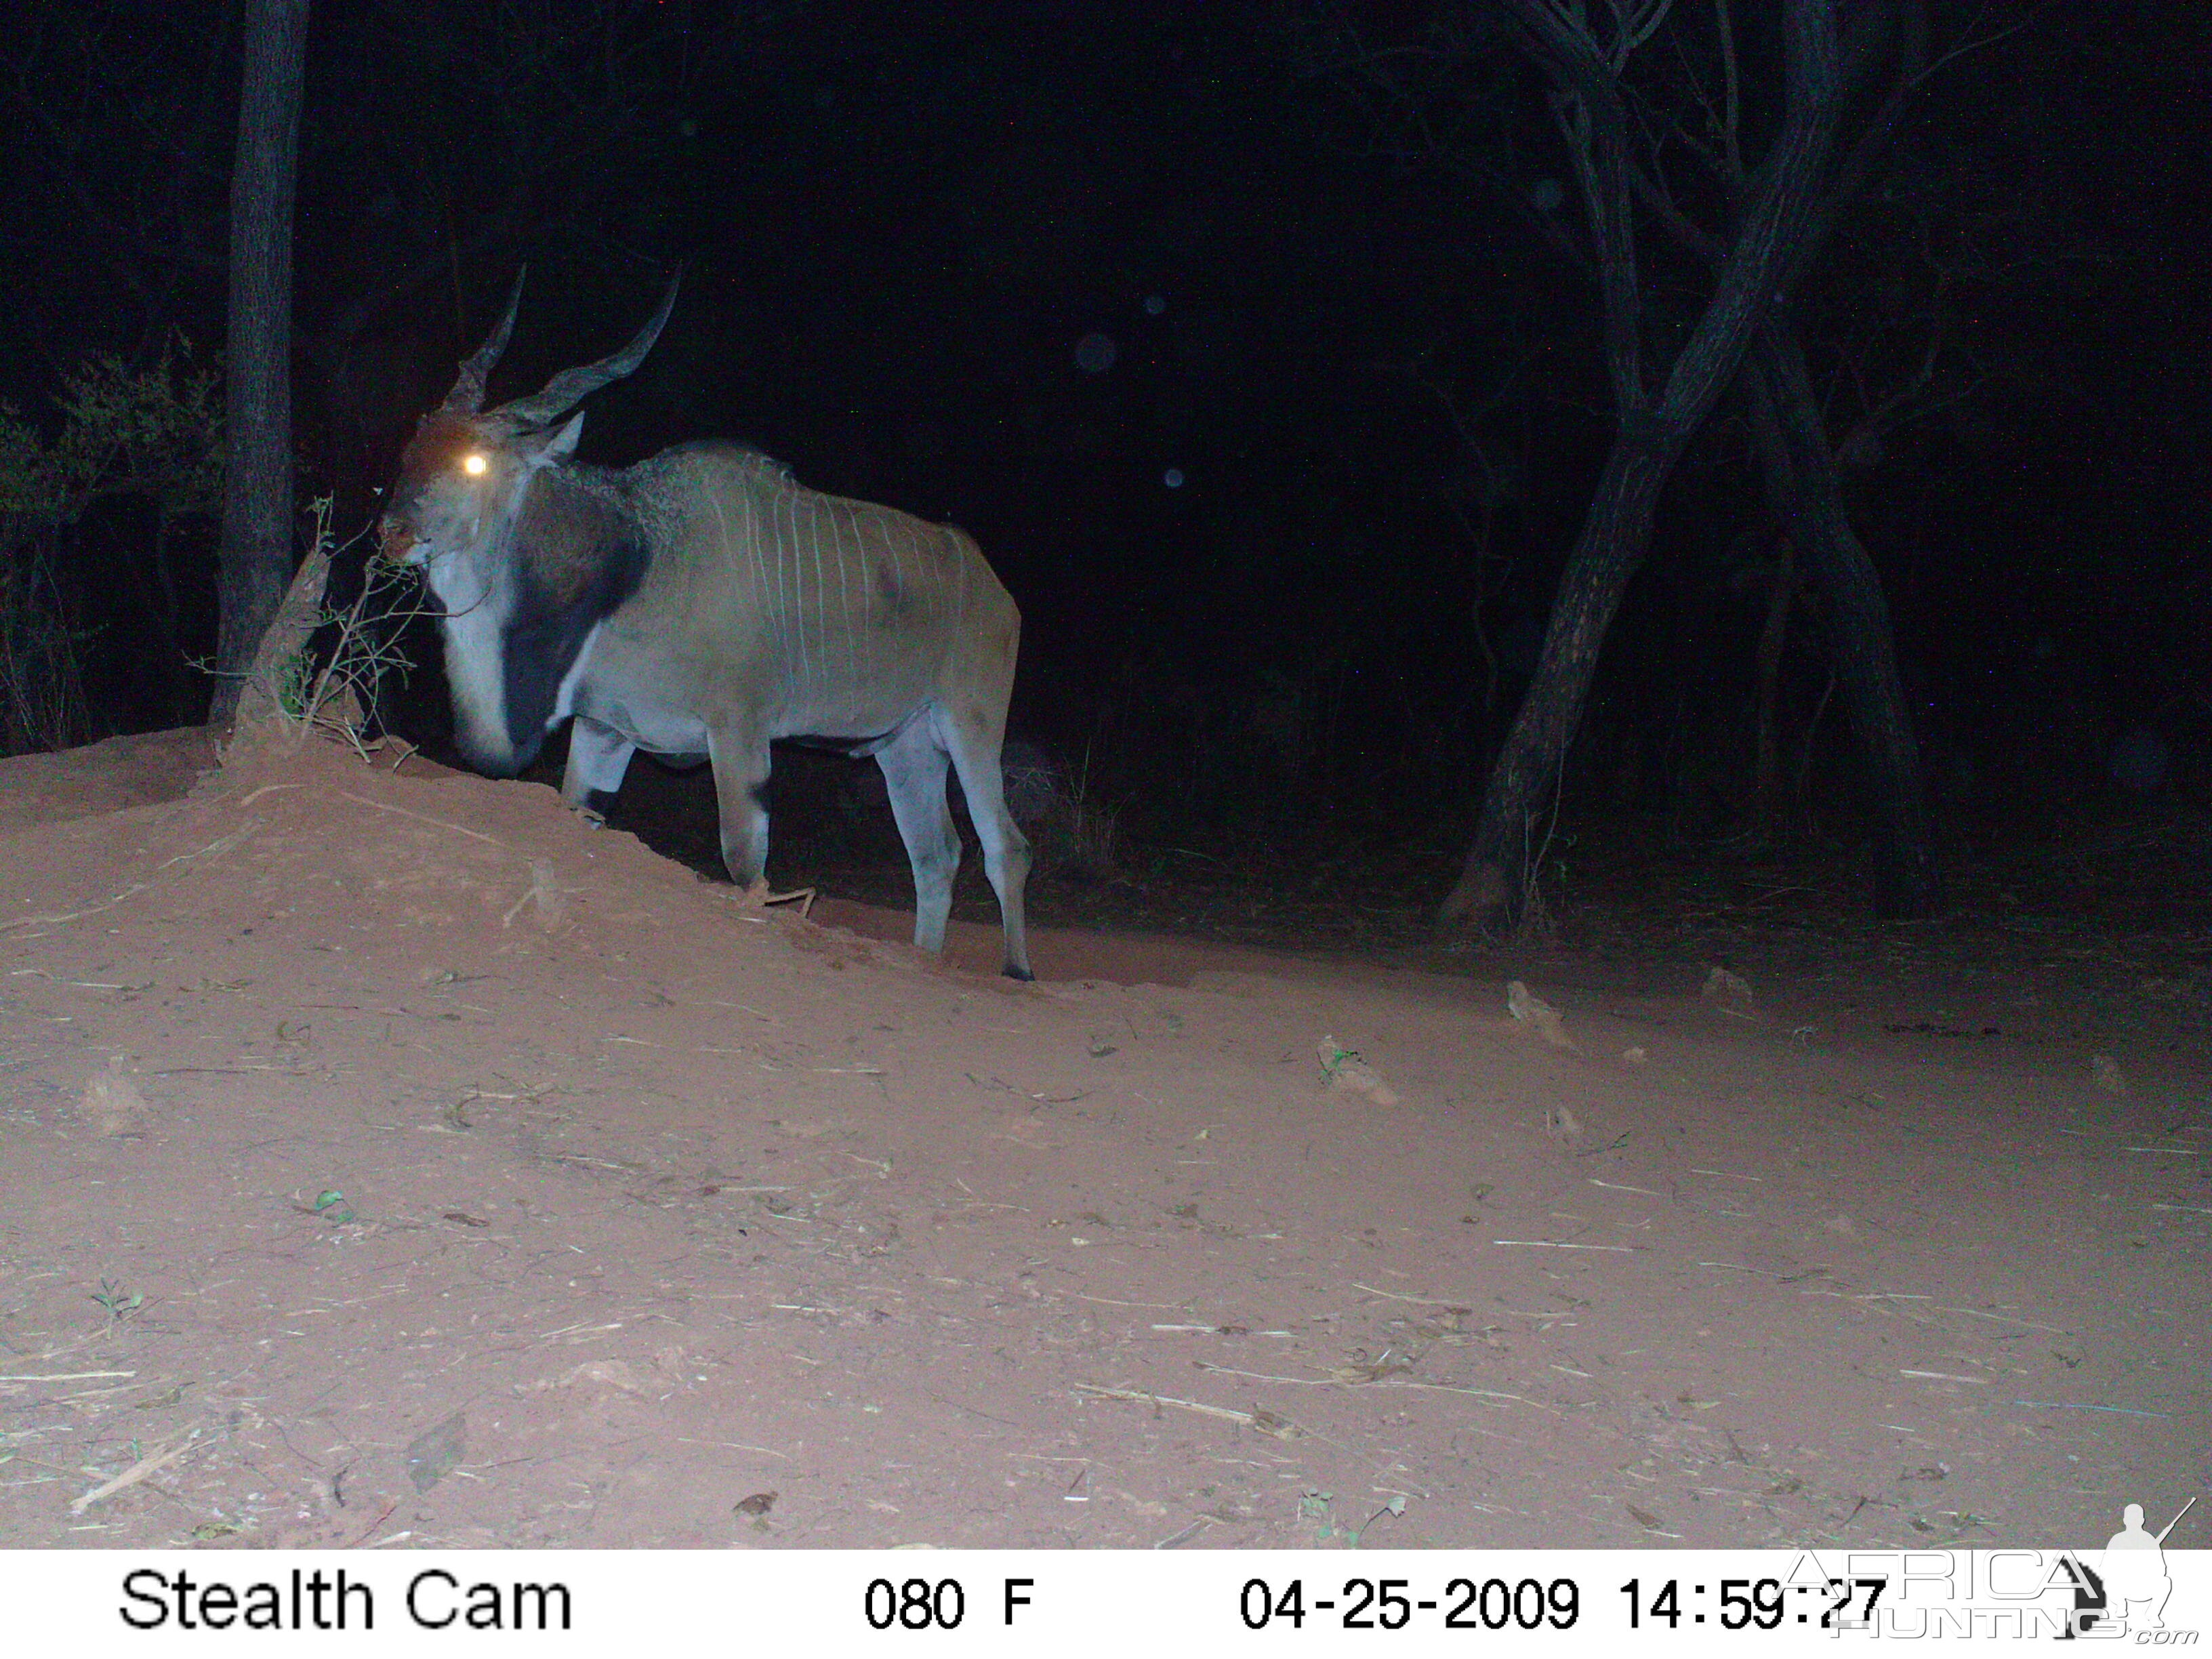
1389,1604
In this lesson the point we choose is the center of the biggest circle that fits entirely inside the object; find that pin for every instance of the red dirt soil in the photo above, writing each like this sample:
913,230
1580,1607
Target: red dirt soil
668,1221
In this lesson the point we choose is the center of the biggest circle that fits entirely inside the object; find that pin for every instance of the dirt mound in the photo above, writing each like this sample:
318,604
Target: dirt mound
106,777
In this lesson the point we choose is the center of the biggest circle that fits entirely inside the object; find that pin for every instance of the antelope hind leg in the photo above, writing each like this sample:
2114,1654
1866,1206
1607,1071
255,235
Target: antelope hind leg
914,766
974,747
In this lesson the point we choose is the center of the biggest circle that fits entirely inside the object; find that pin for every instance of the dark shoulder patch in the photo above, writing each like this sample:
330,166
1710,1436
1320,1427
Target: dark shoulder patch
577,547
579,558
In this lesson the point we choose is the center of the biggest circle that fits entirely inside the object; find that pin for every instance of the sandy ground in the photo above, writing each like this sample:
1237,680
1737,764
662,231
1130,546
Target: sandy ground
394,1157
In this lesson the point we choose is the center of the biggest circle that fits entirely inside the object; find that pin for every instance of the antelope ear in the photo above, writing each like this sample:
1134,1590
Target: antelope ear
561,445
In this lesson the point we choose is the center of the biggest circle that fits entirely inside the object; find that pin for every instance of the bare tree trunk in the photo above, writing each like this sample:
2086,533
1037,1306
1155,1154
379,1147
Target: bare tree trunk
1526,777
256,561
1781,213
1806,492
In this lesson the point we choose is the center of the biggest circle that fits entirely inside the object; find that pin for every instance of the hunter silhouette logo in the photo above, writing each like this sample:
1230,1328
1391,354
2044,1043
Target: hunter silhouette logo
2127,1590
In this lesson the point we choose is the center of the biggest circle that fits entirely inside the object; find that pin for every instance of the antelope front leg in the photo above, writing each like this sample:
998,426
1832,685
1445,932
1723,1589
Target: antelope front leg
599,756
740,756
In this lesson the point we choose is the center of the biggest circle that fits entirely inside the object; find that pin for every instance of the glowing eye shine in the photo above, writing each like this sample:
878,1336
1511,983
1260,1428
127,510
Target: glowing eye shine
474,465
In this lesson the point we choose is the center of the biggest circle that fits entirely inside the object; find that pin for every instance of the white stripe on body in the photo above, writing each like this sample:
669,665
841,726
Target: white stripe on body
868,595
822,618
794,626
898,571
757,547
845,599
772,585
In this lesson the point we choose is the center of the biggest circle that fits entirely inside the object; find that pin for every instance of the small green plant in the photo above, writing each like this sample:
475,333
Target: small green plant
335,690
292,687
1316,1510
331,1206
110,1296
342,696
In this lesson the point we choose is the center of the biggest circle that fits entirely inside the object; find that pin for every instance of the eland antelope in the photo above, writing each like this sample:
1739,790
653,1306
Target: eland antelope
703,602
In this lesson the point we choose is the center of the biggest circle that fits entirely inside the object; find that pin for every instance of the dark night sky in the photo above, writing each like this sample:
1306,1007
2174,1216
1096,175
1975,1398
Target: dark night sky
899,224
